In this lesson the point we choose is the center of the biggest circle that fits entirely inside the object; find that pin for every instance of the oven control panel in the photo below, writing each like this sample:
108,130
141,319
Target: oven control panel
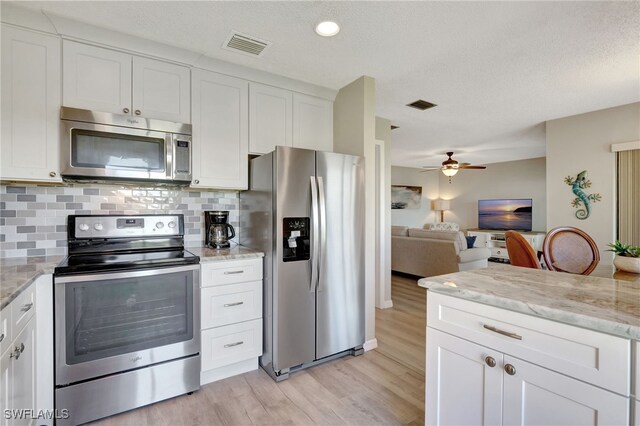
127,226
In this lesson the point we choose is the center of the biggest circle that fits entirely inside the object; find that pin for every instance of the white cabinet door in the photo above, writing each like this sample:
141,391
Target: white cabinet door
30,106
536,396
462,388
5,386
96,79
270,118
220,126
312,123
23,377
161,90
636,421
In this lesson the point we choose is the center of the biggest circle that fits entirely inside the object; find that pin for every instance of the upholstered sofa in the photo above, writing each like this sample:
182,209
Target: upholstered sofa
427,253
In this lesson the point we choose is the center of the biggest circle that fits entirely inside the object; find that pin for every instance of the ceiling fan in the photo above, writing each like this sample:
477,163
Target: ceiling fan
450,166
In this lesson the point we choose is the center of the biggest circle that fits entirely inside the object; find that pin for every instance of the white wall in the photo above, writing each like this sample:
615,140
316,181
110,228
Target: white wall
511,179
354,132
429,182
583,142
383,289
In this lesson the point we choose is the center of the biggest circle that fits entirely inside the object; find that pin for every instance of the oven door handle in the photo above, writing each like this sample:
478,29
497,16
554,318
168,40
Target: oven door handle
99,276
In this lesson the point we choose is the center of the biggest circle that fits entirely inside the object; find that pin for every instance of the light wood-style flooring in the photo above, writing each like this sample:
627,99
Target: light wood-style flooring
401,330
384,386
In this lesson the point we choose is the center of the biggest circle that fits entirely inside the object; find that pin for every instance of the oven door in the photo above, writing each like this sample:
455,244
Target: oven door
113,152
113,322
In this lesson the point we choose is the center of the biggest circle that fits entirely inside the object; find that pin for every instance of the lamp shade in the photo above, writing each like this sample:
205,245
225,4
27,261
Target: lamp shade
449,171
440,205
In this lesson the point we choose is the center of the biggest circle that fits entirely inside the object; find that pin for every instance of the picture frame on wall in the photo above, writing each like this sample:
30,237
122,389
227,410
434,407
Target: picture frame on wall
405,197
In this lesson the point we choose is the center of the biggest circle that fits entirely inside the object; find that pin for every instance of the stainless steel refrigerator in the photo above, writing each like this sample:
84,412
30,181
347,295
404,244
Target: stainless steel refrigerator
305,210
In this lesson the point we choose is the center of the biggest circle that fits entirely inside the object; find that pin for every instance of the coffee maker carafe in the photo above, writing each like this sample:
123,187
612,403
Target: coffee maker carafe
217,231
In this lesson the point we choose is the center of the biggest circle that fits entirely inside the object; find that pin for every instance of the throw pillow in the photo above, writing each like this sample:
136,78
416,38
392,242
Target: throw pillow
462,241
444,226
471,241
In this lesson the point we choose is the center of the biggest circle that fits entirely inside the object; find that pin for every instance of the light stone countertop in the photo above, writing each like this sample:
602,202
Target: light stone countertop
16,274
600,304
215,255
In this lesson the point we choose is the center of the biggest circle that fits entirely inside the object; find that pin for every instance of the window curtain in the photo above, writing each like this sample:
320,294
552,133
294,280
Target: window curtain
628,165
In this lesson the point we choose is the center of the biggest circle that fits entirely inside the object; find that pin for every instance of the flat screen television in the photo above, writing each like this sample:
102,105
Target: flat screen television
505,214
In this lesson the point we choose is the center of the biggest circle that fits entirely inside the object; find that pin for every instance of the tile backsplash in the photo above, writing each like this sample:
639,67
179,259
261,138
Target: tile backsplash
33,218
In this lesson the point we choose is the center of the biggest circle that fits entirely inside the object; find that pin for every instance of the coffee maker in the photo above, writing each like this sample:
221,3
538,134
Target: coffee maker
217,231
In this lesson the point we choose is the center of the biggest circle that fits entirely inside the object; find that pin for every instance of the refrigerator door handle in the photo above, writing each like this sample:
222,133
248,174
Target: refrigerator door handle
315,236
323,226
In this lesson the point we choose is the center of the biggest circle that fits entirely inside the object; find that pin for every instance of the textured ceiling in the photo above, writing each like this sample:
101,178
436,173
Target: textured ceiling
496,70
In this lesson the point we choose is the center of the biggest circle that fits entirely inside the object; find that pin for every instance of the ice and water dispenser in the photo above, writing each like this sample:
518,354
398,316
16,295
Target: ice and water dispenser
296,239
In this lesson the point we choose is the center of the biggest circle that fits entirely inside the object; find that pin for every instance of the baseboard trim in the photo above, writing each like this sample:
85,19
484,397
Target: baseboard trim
370,344
387,304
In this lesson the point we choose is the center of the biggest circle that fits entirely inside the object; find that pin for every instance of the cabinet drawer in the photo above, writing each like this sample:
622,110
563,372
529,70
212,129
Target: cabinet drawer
230,344
5,328
500,252
22,309
229,272
587,355
231,303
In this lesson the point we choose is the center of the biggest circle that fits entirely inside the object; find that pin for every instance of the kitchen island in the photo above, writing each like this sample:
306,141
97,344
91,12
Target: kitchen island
509,345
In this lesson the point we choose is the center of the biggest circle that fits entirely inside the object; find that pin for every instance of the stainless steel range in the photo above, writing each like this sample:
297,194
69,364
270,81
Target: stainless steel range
126,315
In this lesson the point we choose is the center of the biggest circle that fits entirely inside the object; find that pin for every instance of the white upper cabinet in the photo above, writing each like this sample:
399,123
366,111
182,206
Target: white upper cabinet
220,130
30,145
105,80
270,118
161,90
312,122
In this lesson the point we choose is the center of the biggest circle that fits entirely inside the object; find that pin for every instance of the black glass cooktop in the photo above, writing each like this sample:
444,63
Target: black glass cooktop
122,261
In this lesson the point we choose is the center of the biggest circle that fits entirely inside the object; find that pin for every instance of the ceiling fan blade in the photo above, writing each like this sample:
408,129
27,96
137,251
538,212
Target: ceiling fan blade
431,167
473,167
463,164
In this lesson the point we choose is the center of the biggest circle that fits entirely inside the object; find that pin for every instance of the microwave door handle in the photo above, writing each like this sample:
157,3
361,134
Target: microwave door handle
170,154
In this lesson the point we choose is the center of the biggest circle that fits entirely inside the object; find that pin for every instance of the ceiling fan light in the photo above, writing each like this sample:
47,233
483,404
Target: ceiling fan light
449,171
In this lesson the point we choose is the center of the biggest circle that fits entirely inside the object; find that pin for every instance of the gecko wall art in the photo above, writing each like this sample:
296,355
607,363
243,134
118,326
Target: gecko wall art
583,200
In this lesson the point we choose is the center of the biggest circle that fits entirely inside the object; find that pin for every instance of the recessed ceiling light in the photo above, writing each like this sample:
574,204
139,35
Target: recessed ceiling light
327,29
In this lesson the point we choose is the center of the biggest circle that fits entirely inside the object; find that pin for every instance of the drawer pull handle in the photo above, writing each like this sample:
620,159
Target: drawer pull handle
491,361
26,307
226,305
504,333
230,345
1,337
233,272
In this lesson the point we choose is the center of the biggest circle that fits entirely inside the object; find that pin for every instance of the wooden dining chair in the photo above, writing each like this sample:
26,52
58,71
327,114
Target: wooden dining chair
520,251
568,249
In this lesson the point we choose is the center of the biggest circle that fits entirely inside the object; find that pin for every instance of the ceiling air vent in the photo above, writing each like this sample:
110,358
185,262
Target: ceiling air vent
245,44
421,105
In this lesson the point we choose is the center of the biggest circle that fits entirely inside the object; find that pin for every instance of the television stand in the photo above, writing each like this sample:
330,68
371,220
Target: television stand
495,241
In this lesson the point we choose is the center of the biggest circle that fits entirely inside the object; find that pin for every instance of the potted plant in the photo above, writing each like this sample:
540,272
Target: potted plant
627,257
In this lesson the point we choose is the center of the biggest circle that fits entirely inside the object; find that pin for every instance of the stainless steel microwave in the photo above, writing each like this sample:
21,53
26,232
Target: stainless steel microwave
103,146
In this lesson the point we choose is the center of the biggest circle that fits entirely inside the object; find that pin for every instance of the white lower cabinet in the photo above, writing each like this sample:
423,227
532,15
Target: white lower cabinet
17,373
537,396
230,318
560,374
460,376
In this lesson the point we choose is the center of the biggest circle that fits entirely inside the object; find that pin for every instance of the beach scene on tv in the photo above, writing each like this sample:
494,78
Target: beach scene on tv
505,215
